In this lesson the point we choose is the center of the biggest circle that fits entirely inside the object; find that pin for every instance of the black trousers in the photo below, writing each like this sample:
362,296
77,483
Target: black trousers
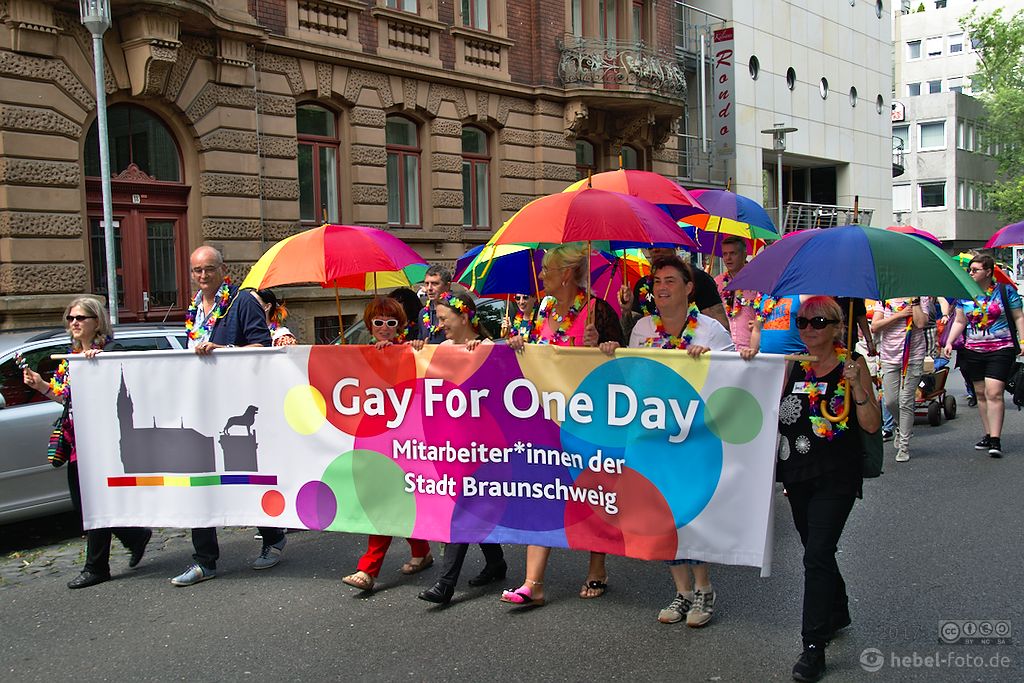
207,550
820,508
97,541
455,555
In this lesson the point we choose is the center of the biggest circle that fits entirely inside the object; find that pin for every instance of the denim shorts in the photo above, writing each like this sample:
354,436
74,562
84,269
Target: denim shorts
673,563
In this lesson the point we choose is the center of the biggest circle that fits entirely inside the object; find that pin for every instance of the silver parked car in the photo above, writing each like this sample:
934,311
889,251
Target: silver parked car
29,485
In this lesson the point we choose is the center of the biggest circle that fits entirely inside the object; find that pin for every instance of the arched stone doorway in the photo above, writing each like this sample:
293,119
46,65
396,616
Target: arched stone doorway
150,200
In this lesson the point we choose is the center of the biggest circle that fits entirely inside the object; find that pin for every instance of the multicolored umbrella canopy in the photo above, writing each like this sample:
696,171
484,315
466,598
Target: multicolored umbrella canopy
1008,236
855,261
732,214
340,256
607,220
916,232
999,275
666,194
711,242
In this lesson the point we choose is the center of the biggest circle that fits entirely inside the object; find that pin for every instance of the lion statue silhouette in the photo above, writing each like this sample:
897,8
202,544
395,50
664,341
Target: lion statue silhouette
246,419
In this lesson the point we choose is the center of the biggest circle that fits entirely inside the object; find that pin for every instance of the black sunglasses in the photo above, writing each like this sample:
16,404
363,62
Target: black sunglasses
377,322
79,318
818,322
521,297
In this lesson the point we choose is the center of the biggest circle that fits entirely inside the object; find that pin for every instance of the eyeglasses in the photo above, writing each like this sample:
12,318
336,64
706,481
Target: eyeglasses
205,270
976,270
79,318
390,322
818,322
522,297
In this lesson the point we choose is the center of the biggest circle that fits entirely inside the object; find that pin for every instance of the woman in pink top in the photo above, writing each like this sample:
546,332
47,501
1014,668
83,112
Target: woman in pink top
562,320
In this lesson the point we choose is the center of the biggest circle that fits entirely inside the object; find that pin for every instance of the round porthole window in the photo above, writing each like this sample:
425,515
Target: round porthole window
853,97
755,67
790,78
879,104
878,8
823,87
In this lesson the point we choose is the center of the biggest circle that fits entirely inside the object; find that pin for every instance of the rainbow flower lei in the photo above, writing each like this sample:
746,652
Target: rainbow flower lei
645,299
560,336
220,307
59,383
822,427
664,340
736,300
768,304
521,326
431,328
978,316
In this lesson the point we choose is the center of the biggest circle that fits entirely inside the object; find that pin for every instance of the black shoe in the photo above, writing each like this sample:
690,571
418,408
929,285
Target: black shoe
489,574
972,401
439,593
888,435
139,550
995,448
983,444
811,664
86,579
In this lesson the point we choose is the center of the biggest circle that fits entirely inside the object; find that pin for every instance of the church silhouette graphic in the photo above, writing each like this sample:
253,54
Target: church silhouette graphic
182,450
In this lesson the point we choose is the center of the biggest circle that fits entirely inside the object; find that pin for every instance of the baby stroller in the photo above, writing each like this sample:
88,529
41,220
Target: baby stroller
932,400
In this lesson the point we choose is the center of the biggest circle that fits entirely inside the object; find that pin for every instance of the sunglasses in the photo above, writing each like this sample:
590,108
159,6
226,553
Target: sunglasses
79,318
390,322
521,297
818,322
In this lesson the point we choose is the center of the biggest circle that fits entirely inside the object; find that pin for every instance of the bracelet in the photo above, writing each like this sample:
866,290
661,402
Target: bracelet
860,403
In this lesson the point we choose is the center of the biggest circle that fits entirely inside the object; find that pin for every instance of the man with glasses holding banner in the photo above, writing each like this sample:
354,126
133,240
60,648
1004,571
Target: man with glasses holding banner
222,316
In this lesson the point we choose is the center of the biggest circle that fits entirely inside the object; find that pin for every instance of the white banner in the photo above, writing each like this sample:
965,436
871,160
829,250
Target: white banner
651,454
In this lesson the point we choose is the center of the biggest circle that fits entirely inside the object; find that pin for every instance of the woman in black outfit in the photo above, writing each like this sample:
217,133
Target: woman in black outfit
820,461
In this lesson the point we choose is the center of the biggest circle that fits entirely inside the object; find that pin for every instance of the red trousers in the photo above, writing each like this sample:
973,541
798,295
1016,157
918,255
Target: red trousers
377,548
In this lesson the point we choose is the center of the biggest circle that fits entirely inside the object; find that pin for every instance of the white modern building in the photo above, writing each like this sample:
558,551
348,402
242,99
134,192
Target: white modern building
947,155
824,69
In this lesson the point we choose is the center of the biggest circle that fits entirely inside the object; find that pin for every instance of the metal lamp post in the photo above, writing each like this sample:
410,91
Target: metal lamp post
96,17
778,134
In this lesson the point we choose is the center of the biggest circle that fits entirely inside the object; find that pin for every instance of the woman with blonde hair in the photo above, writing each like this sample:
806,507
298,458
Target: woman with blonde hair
567,316
91,333
826,403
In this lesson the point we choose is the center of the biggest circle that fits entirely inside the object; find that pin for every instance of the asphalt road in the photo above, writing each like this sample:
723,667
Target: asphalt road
937,538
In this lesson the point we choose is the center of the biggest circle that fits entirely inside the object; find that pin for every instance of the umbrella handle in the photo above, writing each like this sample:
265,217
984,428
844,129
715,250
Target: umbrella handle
845,412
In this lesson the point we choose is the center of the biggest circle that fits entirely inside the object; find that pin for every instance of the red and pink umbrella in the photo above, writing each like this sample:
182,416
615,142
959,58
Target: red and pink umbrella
1008,236
916,232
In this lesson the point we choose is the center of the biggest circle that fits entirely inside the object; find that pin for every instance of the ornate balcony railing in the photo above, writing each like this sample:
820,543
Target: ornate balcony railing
594,62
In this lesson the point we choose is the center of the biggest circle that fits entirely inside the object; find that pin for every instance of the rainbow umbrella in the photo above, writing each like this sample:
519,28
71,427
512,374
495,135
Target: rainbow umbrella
1007,236
606,220
999,275
339,256
666,194
916,232
732,214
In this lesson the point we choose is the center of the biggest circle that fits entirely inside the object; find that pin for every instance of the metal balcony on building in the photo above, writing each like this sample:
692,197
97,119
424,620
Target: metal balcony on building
803,215
618,65
897,157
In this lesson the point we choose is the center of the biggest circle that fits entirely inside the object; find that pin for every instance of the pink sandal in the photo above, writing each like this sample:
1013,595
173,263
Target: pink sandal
522,596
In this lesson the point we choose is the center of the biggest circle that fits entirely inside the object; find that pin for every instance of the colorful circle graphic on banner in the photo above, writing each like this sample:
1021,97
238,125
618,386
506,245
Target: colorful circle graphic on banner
272,503
652,423
305,409
734,415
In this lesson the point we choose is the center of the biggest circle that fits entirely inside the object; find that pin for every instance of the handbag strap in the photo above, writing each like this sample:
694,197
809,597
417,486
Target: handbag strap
1010,322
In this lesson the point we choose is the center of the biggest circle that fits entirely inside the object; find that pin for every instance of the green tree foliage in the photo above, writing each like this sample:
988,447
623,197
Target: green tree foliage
999,83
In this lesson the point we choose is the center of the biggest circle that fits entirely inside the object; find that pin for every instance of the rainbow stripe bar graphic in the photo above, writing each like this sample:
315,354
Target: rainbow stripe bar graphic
200,480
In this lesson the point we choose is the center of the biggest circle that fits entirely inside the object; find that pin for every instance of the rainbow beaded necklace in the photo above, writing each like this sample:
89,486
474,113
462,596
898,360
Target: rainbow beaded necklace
822,427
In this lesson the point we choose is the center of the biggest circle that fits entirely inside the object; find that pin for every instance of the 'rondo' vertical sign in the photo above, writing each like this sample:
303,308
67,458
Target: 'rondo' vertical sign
724,102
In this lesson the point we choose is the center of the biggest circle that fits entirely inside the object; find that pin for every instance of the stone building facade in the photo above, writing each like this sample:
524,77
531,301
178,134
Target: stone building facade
239,124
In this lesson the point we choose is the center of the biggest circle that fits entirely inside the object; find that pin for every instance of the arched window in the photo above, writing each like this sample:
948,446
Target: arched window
584,159
136,137
318,164
476,163
403,172
150,206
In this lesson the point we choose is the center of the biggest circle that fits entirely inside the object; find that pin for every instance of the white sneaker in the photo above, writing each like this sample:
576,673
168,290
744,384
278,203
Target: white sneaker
902,456
703,608
676,610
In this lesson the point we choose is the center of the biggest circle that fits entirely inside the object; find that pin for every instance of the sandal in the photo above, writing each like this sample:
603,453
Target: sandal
521,596
418,564
593,585
360,580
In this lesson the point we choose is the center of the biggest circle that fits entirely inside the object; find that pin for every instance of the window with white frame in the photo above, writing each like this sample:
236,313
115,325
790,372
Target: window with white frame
932,195
933,47
404,5
961,194
913,49
956,42
931,135
913,89
901,198
934,87
903,133
955,84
